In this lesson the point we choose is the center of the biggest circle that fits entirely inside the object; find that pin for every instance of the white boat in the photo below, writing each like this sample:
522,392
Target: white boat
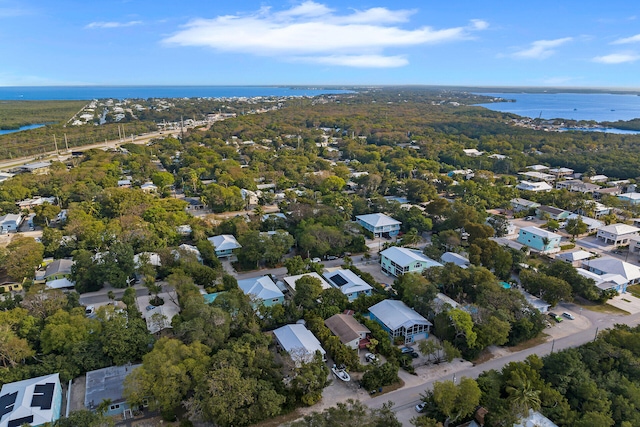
341,374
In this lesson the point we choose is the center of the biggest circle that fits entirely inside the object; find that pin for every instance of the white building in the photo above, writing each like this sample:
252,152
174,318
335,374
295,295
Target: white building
617,234
36,401
397,261
290,281
10,223
299,342
348,282
533,186
379,224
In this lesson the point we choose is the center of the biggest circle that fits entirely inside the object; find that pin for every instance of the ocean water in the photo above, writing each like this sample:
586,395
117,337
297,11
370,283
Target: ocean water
27,127
572,106
42,93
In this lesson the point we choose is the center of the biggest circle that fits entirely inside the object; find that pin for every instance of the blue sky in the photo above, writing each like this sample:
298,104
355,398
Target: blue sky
209,42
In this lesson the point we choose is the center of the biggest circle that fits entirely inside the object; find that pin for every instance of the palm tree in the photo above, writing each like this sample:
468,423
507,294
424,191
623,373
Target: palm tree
523,396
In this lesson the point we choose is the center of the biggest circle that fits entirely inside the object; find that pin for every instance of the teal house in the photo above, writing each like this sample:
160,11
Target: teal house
262,290
107,384
224,245
396,261
400,321
539,239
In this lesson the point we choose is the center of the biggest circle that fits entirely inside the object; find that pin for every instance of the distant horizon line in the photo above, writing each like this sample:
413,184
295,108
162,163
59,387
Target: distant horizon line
325,85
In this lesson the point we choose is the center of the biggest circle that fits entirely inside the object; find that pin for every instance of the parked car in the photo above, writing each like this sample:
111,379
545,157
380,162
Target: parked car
568,316
530,218
555,317
370,357
331,257
316,260
407,350
150,307
420,407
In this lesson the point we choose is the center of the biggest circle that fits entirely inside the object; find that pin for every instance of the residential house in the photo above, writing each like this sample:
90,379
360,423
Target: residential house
35,402
290,281
36,201
538,168
352,333
379,224
608,191
634,244
149,187
184,230
194,204
456,259
577,186
632,198
348,282
535,419
224,245
538,176
58,273
539,239
523,205
592,224
598,178
533,186
263,290
443,303
397,261
575,258
552,213
152,258
472,152
10,223
124,183
605,282
5,176
617,234
613,266
594,209
541,305
250,197
188,250
37,168
7,287
400,321
497,156
107,384
299,342
561,172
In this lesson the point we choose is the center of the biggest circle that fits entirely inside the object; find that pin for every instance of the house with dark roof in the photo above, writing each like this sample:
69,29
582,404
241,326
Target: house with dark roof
108,384
352,333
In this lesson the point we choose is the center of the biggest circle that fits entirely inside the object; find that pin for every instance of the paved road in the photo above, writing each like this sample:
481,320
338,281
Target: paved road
406,398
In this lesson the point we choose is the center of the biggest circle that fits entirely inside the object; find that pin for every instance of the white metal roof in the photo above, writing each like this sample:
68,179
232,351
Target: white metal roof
395,314
60,283
224,242
575,256
404,256
619,229
378,220
455,258
540,232
35,397
262,287
291,280
298,341
615,266
354,283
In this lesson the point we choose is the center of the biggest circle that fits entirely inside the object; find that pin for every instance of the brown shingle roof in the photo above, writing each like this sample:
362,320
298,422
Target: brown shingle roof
345,327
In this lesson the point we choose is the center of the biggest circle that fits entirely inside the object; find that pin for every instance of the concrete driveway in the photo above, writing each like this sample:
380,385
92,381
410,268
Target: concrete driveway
626,302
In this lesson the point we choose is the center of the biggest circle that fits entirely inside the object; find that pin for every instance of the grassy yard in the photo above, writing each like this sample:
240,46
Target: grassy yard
634,290
540,339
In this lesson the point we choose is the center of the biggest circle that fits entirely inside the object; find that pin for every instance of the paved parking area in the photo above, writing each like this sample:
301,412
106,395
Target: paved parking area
626,302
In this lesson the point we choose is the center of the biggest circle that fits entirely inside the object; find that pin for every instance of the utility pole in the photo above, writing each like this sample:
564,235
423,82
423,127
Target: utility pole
55,143
66,143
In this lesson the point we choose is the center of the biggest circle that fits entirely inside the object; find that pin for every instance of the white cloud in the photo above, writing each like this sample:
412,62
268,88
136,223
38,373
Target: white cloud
627,40
541,49
617,58
112,24
312,32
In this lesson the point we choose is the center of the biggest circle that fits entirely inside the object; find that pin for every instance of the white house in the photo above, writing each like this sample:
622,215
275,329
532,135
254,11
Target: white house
472,152
250,197
520,205
10,223
348,282
149,187
617,234
36,401
605,281
575,258
533,186
351,332
592,224
299,342
633,198
397,261
538,168
379,224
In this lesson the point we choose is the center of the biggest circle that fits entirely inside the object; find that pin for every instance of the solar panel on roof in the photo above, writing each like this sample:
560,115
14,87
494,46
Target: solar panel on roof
20,421
43,396
6,403
339,280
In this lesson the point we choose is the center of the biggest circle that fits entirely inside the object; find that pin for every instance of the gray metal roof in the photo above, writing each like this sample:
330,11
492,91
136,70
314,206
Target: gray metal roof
395,314
106,383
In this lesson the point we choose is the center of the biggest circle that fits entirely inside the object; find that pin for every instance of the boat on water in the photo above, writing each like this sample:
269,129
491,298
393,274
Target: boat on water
340,373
